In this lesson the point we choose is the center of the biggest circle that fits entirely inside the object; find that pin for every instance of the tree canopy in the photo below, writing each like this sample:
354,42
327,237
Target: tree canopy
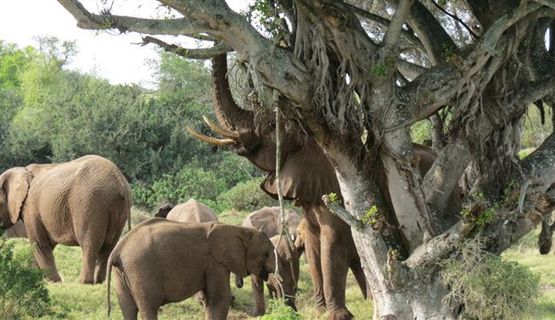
355,76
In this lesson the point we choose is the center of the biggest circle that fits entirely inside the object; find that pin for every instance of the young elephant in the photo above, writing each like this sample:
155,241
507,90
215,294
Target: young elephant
83,202
191,211
16,231
267,220
284,288
163,261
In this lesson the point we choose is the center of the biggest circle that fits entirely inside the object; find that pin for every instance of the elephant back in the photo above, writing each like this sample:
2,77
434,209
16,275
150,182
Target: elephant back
267,220
192,211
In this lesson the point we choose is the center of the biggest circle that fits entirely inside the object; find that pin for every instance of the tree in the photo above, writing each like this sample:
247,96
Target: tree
356,76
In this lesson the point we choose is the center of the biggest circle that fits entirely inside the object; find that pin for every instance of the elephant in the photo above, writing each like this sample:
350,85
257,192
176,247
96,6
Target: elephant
191,211
266,220
164,210
84,202
162,261
306,174
16,231
284,286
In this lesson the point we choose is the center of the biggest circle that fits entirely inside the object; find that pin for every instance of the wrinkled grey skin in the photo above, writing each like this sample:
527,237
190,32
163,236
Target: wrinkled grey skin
162,261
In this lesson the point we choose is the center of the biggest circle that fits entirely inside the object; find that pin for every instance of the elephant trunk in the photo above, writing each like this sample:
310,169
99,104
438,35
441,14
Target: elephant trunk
229,114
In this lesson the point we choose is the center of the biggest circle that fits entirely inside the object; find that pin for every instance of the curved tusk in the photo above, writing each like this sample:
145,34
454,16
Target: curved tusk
207,139
220,130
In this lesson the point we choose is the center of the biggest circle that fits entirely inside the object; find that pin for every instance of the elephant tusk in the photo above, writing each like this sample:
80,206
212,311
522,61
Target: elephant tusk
207,139
225,133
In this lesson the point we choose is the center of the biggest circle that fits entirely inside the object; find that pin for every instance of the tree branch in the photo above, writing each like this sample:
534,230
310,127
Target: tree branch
105,21
429,253
206,53
411,38
394,30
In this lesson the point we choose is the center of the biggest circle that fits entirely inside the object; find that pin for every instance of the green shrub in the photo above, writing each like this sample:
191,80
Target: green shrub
23,291
488,286
277,310
246,196
189,182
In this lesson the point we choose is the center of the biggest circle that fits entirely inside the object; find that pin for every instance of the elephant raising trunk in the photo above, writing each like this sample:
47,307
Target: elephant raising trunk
306,174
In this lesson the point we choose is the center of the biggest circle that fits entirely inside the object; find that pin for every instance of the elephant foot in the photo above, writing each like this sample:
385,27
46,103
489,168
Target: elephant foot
55,277
340,314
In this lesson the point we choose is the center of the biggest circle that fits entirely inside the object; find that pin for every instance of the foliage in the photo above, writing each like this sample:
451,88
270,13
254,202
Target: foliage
488,286
247,196
189,182
278,310
23,291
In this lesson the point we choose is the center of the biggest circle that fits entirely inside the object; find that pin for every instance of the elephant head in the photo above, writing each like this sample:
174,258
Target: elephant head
14,186
241,250
305,174
545,239
164,210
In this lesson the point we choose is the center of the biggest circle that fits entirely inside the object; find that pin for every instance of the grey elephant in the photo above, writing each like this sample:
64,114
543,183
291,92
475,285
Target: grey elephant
266,220
191,211
162,261
84,202
16,231
284,286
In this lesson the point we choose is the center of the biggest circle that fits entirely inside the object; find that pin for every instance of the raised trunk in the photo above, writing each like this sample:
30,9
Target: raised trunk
229,114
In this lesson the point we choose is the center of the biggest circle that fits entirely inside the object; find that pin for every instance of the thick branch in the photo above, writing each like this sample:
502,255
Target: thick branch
206,53
394,31
88,20
429,253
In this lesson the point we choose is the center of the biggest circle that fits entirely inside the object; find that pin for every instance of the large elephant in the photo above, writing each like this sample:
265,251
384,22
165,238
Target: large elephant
84,202
191,211
266,220
163,261
306,174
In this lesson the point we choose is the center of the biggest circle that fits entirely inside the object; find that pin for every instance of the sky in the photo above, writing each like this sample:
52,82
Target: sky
109,55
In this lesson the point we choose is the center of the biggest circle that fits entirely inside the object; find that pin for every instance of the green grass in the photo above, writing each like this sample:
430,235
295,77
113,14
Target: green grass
73,300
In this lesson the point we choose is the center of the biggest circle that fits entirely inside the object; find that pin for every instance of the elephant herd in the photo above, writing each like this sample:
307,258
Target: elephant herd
180,252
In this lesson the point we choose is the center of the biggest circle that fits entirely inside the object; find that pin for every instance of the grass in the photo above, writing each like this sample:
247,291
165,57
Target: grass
73,300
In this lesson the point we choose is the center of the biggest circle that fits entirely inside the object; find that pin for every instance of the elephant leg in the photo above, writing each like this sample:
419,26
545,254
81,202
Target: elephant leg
336,253
101,263
312,253
257,285
360,277
44,258
89,255
218,295
127,305
43,249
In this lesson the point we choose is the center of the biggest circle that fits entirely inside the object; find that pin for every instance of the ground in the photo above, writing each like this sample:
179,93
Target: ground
76,301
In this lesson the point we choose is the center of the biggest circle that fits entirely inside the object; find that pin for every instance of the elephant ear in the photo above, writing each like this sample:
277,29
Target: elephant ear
306,175
228,245
16,186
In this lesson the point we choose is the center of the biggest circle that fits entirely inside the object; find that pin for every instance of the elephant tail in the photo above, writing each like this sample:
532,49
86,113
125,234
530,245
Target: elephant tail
113,260
129,222
358,272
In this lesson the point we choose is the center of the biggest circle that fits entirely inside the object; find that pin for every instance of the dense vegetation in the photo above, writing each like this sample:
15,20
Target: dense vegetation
50,114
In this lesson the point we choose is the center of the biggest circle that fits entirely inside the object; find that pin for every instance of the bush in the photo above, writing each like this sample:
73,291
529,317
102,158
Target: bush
277,310
23,292
246,196
189,182
488,286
